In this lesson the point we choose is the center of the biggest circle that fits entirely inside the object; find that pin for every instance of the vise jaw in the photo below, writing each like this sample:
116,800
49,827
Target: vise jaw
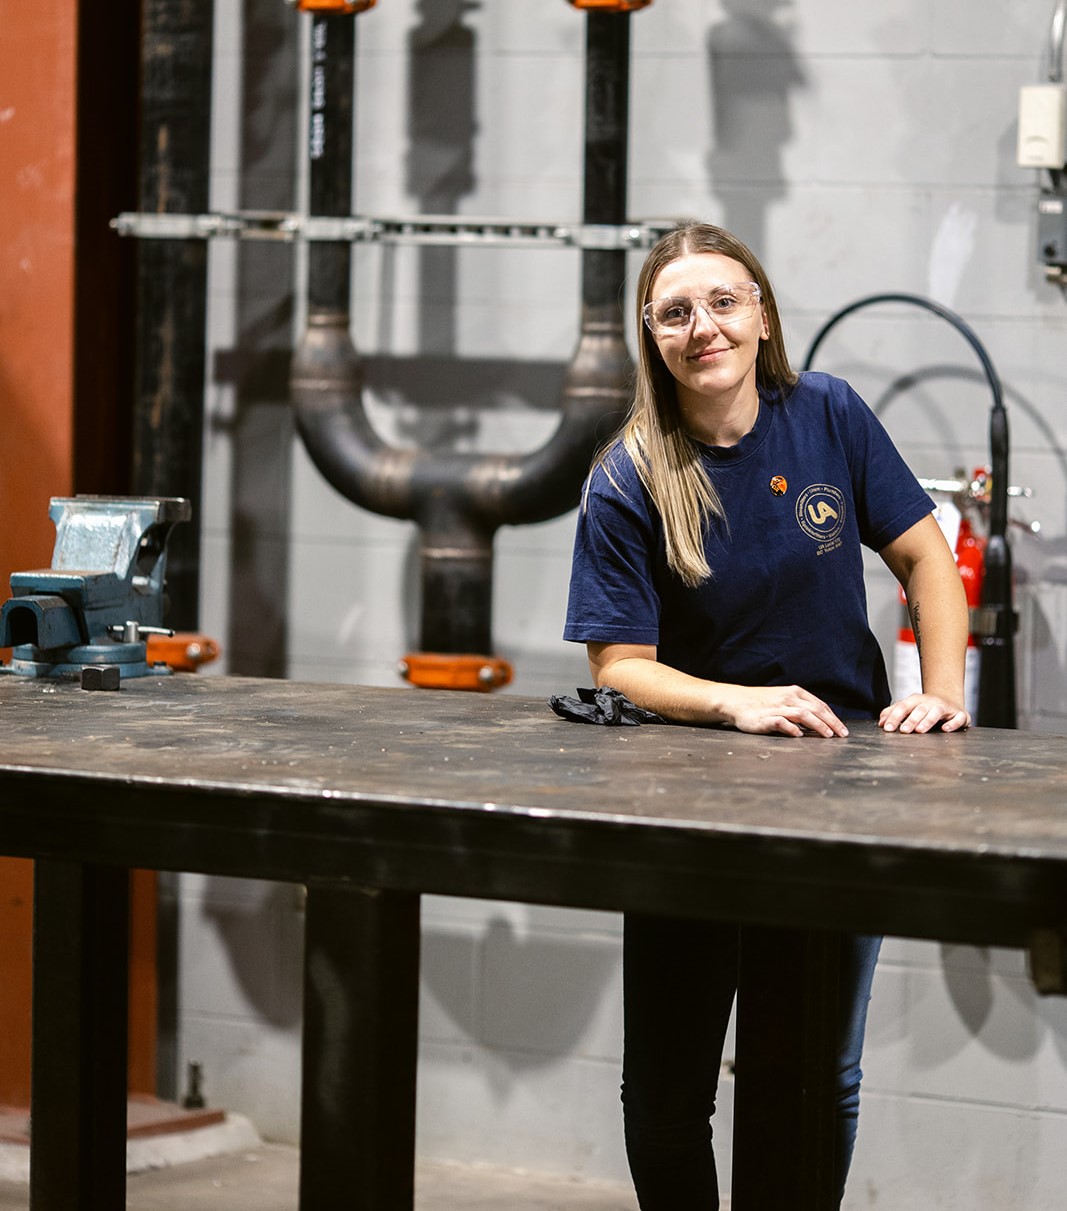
104,588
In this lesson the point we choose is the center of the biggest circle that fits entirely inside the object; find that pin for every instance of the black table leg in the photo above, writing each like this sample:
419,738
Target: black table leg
787,1010
361,988
78,1092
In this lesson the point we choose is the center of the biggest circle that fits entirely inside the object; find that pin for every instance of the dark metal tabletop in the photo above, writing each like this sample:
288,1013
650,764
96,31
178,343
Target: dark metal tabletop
954,836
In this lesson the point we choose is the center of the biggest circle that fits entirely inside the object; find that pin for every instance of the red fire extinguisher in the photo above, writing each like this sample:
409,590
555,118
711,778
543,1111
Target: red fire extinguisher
969,548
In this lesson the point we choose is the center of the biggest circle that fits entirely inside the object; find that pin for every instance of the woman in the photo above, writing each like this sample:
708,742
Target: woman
718,579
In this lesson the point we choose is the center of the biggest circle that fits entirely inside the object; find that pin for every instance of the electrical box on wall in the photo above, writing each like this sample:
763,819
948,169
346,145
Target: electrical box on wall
1042,126
1052,233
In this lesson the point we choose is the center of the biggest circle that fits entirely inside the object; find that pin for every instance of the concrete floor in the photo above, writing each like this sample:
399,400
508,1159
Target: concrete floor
264,1178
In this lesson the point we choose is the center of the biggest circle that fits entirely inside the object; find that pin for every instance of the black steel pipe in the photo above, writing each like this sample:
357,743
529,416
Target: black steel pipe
607,130
330,144
996,674
172,279
460,500
170,358
996,677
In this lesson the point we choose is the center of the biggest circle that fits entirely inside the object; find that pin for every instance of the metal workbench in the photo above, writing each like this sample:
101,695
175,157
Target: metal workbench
373,796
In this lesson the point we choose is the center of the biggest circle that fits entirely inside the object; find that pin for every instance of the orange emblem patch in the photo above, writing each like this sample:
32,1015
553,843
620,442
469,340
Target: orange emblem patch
778,485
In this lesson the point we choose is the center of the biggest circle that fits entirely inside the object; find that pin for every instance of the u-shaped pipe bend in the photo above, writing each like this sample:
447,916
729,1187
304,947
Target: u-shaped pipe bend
487,490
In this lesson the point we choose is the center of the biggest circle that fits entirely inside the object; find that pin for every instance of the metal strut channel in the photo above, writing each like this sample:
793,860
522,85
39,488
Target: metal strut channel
425,229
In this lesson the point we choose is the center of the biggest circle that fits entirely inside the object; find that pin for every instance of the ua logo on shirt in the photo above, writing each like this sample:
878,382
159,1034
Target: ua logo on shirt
821,512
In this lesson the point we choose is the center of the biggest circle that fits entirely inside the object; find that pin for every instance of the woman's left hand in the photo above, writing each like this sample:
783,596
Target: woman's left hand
922,713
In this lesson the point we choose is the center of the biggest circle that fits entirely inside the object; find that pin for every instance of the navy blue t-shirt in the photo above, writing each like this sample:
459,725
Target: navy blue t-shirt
816,477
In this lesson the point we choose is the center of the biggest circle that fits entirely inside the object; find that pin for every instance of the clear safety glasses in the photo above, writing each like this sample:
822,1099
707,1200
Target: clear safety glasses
727,305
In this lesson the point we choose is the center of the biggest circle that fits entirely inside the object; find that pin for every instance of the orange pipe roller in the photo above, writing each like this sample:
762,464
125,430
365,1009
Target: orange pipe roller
455,671
333,6
612,6
184,651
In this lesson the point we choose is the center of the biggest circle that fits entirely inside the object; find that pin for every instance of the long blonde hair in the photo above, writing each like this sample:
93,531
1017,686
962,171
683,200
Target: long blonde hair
666,458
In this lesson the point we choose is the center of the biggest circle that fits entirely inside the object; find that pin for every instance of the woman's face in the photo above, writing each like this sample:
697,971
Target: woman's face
711,362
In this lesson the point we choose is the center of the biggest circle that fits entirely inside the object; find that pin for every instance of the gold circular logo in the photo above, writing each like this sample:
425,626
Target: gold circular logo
821,512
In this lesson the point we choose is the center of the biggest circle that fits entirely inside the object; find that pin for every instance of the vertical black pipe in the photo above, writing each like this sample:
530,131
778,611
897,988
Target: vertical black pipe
607,128
996,675
456,559
330,144
106,184
172,279
175,153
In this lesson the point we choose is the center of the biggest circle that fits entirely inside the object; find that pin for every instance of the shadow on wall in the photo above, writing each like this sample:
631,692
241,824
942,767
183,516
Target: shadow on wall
437,399
971,983
942,427
973,1001
432,400
440,162
268,976
528,999
1016,1031
753,69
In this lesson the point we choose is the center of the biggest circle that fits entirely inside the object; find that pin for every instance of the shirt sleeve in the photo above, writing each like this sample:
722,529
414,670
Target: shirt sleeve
612,597
889,499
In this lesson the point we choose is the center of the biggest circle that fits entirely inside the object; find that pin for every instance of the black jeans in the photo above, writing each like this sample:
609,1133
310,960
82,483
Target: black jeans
679,979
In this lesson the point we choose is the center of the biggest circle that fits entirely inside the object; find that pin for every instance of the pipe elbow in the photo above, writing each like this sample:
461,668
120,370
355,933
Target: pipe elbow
326,385
594,401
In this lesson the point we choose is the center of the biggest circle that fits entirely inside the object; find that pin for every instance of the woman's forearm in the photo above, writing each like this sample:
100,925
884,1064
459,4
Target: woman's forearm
635,672
937,605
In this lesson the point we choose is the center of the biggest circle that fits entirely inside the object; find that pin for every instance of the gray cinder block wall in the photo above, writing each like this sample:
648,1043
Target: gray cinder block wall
860,149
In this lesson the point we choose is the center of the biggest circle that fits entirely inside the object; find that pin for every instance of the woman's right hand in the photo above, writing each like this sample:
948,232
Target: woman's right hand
788,709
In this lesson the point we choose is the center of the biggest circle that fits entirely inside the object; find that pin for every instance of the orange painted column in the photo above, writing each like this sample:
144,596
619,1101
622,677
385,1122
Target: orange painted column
37,82
38,199
37,124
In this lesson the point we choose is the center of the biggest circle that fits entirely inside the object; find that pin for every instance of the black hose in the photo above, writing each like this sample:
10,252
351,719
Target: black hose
996,682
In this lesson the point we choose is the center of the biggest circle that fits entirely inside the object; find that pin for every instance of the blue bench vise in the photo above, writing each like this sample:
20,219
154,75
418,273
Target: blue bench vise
102,594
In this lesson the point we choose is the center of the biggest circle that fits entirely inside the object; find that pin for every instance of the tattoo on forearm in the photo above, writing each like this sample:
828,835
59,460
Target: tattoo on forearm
914,611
